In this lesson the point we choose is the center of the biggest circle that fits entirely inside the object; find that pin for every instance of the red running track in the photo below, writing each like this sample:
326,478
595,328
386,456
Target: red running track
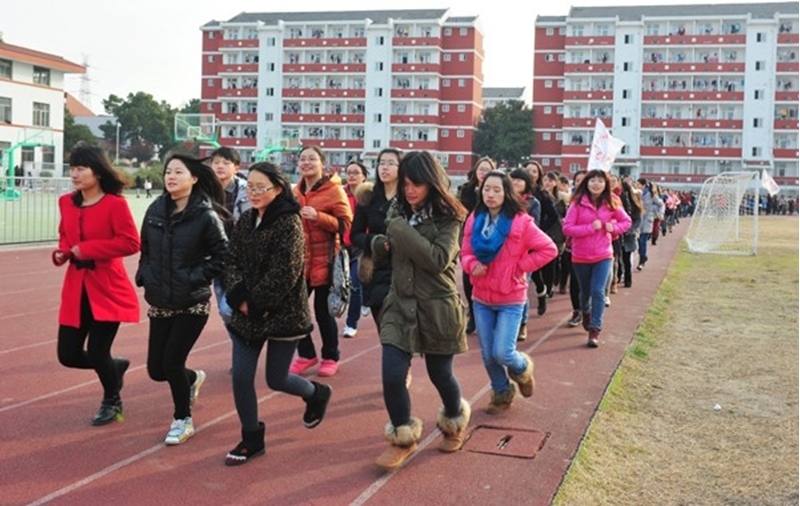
50,454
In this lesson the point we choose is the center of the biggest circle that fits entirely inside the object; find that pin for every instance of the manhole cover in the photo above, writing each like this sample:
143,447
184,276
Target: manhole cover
506,441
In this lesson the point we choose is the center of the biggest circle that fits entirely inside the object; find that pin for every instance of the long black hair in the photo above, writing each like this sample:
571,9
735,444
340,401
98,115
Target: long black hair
378,183
420,167
109,179
607,196
512,203
524,176
277,178
207,186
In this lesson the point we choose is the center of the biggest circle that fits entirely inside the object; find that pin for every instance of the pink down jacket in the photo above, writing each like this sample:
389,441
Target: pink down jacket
525,250
590,245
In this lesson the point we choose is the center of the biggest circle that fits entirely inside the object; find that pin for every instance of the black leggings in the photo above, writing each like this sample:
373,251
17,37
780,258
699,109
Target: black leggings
574,292
565,260
467,284
327,328
97,355
171,340
543,278
394,370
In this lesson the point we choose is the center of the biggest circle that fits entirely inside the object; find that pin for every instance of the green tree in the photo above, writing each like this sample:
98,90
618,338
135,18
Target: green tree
74,133
191,107
505,132
142,121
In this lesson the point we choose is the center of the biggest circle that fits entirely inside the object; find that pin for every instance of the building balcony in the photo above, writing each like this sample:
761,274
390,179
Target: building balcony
237,117
416,68
787,96
350,119
410,119
588,68
239,68
323,93
326,42
715,96
416,41
705,124
238,92
305,68
589,95
683,40
788,66
357,144
412,93
415,145
238,44
584,122
242,142
790,154
575,149
685,152
606,40
789,38
786,124
661,68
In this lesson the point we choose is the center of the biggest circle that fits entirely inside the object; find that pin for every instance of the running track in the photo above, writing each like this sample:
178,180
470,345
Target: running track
49,454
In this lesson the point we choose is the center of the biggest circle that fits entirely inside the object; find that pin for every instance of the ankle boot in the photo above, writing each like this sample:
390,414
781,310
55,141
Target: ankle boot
524,380
454,430
110,410
403,442
542,307
316,405
121,365
501,401
251,446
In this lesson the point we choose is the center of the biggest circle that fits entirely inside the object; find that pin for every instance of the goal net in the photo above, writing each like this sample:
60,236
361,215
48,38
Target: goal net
726,216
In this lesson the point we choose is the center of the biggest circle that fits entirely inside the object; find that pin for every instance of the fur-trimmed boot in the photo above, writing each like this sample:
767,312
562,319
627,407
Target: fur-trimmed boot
524,380
251,446
454,430
403,441
501,401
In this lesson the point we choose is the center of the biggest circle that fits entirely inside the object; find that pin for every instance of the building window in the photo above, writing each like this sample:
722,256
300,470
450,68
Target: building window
462,83
459,158
376,144
380,40
462,108
445,83
211,58
758,94
758,122
210,83
445,133
548,83
756,151
545,162
626,93
209,107
268,116
446,57
211,35
270,92
5,110
761,37
546,136
462,31
558,162
5,68
445,107
574,167
559,136
628,39
549,57
626,122
560,83
460,133
378,118
378,92
548,110
549,31
462,57
271,41
761,65
627,66
41,76
41,114
560,110
270,67
562,57
448,31
379,65
562,30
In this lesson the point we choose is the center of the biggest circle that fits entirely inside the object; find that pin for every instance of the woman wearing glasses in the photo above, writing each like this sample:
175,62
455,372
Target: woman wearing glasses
326,213
356,174
266,287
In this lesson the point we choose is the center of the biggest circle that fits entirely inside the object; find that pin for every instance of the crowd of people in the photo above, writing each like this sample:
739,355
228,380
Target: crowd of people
263,246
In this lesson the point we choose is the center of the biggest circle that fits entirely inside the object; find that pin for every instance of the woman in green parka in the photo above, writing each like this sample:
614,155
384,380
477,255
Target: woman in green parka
423,312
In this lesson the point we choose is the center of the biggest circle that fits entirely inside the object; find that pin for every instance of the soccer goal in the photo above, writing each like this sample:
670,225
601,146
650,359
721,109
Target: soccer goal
726,218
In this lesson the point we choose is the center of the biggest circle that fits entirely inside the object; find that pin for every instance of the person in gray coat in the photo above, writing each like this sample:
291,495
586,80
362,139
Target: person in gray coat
653,207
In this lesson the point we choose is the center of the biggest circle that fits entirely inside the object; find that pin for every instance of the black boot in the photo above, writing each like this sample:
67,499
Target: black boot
110,410
542,307
121,365
471,325
316,405
251,446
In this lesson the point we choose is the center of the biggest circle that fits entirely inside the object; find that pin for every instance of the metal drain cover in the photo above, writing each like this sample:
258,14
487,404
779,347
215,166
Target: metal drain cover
506,441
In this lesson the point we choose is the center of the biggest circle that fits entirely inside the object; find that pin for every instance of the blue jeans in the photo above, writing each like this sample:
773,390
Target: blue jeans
643,238
225,311
592,279
354,310
497,328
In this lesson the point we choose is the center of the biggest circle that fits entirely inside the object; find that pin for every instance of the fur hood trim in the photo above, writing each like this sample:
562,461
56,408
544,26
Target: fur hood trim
364,193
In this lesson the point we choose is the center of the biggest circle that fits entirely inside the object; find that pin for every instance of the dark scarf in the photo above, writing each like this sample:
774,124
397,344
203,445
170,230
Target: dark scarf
486,248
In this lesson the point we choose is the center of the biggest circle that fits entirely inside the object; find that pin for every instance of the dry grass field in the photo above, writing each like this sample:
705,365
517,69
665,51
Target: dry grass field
704,408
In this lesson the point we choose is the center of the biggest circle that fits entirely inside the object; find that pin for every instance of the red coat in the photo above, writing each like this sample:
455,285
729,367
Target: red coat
104,232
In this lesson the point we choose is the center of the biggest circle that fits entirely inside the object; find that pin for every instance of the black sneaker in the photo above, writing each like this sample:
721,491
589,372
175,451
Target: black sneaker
110,410
575,320
121,365
316,405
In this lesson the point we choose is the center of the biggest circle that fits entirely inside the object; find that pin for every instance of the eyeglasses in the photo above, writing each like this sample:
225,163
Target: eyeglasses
353,172
387,164
258,190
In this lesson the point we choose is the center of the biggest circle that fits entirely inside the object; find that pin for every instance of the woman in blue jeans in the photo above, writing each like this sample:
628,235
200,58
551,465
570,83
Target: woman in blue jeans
501,246
594,216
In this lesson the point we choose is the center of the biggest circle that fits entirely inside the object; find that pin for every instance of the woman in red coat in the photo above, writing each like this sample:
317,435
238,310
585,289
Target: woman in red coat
95,233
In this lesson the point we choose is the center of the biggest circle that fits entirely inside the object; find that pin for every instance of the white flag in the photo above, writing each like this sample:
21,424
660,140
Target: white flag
604,148
769,184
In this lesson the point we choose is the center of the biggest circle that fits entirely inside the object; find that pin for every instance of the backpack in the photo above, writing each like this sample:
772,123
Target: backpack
339,294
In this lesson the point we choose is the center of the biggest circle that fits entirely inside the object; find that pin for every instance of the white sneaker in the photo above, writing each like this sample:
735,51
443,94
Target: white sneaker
349,332
365,311
194,391
180,431
608,301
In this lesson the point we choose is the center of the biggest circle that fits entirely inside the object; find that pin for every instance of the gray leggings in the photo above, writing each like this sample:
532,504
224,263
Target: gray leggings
245,362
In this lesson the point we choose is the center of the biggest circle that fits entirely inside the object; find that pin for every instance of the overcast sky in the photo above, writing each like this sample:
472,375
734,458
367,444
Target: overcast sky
155,45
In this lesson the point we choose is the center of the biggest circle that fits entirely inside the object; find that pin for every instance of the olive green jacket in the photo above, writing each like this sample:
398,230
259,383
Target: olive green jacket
423,312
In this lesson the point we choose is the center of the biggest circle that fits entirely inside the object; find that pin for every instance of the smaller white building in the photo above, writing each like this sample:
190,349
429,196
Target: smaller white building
494,96
32,107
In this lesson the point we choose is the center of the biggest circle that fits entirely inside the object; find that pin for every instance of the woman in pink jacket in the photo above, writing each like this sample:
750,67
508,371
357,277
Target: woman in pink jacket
593,218
501,246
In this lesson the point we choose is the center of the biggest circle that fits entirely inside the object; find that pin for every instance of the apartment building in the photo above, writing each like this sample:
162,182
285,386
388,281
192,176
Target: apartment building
352,83
693,90
32,107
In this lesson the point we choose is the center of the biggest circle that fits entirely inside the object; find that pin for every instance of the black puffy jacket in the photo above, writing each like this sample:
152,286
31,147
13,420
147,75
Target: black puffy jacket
181,253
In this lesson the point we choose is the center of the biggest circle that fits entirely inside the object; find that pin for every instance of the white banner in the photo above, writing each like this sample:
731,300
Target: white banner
769,184
604,148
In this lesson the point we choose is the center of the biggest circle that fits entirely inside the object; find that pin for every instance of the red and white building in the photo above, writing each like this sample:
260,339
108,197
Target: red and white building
32,107
352,83
693,90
